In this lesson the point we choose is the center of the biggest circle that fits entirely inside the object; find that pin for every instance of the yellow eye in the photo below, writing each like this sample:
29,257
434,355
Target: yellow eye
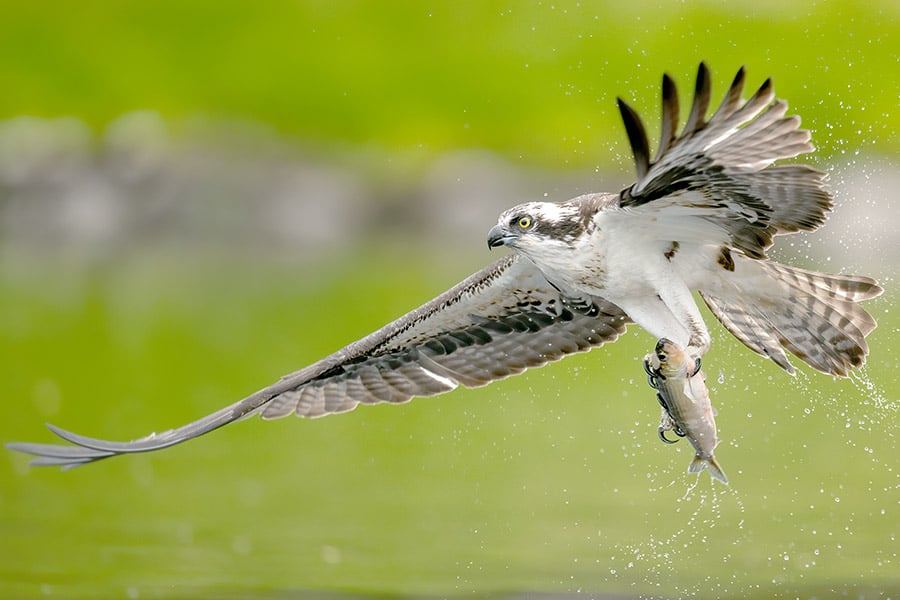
525,222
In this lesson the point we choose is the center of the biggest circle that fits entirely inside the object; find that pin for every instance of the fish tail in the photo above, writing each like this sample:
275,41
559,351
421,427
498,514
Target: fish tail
715,471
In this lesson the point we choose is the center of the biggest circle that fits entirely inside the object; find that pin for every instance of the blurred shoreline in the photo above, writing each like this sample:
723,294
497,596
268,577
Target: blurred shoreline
71,197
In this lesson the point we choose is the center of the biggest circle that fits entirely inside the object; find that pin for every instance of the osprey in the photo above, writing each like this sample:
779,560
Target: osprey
700,216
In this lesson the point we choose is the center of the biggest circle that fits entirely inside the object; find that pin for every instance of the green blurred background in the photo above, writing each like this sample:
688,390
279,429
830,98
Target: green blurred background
198,197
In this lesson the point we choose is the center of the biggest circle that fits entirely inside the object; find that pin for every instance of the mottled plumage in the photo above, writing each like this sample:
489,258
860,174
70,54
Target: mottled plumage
498,322
700,216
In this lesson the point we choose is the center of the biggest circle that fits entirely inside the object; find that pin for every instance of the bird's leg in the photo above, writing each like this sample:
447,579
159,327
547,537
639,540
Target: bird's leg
698,343
697,346
682,306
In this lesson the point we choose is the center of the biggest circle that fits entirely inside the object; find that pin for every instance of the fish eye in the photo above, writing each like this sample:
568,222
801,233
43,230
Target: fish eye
524,222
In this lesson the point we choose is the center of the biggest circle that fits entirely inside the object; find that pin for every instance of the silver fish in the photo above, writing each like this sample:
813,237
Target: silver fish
686,408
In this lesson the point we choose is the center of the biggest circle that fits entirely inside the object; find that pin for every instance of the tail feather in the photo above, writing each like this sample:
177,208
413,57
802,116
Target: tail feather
754,331
848,287
815,316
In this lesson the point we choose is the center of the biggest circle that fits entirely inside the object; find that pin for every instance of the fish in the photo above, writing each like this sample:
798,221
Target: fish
687,411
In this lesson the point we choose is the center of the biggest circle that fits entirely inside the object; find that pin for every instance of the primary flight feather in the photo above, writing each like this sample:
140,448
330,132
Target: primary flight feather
700,216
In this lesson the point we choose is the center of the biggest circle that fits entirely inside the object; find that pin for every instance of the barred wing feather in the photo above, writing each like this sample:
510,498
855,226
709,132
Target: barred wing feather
497,323
721,170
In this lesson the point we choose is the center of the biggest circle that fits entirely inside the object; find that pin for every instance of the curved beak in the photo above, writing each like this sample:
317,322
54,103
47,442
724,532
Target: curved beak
498,236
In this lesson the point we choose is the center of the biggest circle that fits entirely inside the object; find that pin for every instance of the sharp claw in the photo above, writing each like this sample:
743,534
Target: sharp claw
651,376
697,364
662,436
662,401
678,431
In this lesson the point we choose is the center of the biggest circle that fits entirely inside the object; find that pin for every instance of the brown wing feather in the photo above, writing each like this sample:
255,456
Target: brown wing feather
498,322
637,137
697,116
669,126
722,170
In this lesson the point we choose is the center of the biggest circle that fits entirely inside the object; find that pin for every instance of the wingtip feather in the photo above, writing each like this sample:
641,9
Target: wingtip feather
637,137
700,104
669,116
732,100
739,77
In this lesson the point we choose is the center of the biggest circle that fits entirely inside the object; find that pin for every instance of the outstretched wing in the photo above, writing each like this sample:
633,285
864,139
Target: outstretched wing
721,169
498,322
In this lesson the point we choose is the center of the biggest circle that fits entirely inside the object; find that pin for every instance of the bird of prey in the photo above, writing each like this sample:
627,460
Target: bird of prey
700,216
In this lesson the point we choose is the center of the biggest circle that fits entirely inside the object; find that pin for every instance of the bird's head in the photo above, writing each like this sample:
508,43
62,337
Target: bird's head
533,225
